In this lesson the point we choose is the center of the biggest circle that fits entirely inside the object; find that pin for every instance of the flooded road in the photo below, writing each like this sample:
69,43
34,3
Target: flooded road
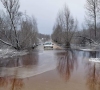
51,70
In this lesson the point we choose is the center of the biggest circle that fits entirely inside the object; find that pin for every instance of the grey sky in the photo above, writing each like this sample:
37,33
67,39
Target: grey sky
45,11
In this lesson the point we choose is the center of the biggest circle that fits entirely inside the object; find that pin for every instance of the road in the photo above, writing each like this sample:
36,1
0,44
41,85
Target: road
55,69
36,62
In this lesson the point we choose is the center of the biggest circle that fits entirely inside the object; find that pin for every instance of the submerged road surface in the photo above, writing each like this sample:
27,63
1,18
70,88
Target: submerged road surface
51,70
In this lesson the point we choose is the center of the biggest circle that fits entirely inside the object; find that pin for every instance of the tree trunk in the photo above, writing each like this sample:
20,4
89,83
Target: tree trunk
68,45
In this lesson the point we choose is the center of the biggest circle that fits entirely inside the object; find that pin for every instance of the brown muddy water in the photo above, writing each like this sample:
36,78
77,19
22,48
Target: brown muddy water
51,70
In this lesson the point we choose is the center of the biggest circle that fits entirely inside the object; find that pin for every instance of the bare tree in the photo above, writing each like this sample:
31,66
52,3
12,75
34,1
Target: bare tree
12,7
92,13
21,31
57,34
4,32
28,32
68,25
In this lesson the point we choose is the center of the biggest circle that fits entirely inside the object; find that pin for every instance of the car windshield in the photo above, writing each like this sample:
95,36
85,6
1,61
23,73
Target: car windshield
48,43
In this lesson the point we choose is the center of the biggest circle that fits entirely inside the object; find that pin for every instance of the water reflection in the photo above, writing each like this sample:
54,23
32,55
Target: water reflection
69,60
17,84
29,59
11,68
93,73
11,83
67,63
71,63
93,54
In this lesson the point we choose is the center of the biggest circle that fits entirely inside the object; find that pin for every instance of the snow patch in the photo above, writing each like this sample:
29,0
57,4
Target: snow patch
95,60
89,50
6,53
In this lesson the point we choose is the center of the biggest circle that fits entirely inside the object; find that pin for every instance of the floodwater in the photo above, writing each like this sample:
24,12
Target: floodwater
51,70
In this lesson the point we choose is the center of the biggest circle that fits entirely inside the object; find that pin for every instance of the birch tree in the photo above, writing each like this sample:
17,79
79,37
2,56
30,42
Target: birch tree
12,8
21,30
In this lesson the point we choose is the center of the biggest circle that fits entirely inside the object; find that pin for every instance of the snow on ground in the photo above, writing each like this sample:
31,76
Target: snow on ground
88,49
5,53
95,60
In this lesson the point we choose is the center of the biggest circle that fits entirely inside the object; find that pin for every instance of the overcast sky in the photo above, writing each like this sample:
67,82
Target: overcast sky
45,11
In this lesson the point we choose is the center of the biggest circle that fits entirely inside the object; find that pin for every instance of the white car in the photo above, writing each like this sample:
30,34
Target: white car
48,45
